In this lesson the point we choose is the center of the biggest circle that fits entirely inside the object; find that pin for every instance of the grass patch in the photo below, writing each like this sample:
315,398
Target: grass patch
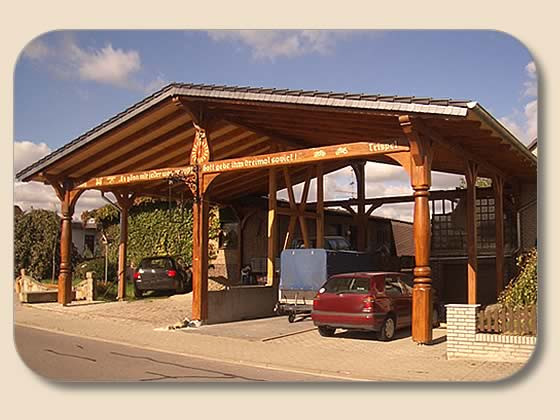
108,292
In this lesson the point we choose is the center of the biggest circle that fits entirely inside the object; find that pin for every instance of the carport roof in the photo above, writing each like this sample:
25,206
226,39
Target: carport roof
155,133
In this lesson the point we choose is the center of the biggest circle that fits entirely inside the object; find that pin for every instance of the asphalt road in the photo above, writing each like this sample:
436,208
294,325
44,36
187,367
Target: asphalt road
69,358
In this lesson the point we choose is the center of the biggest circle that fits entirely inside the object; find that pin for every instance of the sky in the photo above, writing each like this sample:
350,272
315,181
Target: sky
67,82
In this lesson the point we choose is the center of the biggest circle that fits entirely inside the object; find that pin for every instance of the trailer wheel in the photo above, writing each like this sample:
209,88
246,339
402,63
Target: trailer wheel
291,317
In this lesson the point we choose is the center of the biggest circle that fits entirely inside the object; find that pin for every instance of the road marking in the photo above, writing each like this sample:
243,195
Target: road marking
196,356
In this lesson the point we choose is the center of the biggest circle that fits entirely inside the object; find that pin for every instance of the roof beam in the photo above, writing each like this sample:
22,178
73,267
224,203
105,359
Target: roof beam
126,143
130,178
302,156
457,149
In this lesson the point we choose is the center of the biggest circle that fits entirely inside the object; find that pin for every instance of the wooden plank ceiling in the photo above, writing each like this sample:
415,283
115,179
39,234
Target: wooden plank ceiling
162,135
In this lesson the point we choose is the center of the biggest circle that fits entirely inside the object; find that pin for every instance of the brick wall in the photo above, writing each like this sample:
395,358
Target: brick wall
463,340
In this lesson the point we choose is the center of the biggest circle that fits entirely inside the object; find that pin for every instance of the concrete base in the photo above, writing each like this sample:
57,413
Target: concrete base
240,303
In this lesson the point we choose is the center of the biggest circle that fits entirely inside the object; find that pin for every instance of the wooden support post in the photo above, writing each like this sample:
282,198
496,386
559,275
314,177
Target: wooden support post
200,260
361,216
472,266
418,164
272,227
301,210
124,201
65,274
68,198
320,210
498,185
293,208
201,153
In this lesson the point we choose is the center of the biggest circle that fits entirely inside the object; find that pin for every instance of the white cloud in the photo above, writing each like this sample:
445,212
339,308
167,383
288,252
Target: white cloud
106,65
155,84
29,195
531,86
27,152
382,180
271,44
531,113
523,123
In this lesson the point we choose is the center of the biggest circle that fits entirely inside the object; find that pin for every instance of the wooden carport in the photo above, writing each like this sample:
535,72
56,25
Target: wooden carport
223,143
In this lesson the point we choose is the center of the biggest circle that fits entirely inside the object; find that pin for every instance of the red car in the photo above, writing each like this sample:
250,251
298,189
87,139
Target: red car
380,302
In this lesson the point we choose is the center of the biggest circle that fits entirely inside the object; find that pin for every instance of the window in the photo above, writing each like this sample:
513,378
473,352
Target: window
159,263
347,285
89,243
338,284
393,287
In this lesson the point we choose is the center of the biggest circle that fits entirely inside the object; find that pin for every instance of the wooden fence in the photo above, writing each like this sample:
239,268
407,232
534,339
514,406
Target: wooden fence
507,320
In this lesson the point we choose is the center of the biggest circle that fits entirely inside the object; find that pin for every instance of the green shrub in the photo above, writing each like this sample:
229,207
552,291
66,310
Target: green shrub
522,290
36,242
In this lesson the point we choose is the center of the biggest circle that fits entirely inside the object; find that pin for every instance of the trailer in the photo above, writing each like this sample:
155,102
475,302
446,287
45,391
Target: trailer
304,271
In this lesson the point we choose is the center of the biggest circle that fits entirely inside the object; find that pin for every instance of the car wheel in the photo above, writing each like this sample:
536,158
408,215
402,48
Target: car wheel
435,318
387,331
291,318
326,331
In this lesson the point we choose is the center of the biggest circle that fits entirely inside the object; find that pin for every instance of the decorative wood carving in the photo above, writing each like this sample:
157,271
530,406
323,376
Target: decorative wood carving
112,181
301,156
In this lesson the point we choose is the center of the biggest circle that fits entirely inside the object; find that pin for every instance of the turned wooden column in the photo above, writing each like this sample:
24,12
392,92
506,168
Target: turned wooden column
65,274
361,217
498,186
320,210
418,163
124,201
422,290
472,264
272,227
68,198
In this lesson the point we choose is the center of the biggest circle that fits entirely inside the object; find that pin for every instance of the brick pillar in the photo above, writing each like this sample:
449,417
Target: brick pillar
461,329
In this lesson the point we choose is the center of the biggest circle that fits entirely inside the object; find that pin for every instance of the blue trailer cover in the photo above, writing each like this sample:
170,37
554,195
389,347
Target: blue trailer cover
303,269
309,269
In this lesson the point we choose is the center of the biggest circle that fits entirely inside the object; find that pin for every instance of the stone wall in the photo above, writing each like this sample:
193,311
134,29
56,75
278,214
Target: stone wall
463,340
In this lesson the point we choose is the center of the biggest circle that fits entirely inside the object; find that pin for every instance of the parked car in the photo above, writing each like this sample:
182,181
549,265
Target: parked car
379,302
161,273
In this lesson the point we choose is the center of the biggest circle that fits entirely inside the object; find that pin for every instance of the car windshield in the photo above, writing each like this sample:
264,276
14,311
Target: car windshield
156,263
347,285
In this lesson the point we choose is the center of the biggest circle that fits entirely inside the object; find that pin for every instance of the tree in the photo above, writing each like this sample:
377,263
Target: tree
480,183
37,244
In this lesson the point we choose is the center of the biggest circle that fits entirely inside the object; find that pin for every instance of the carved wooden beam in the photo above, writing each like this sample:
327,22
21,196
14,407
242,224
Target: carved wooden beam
302,156
112,181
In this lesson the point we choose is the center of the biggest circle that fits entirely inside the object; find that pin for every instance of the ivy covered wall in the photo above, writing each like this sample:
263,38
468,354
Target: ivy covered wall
155,228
